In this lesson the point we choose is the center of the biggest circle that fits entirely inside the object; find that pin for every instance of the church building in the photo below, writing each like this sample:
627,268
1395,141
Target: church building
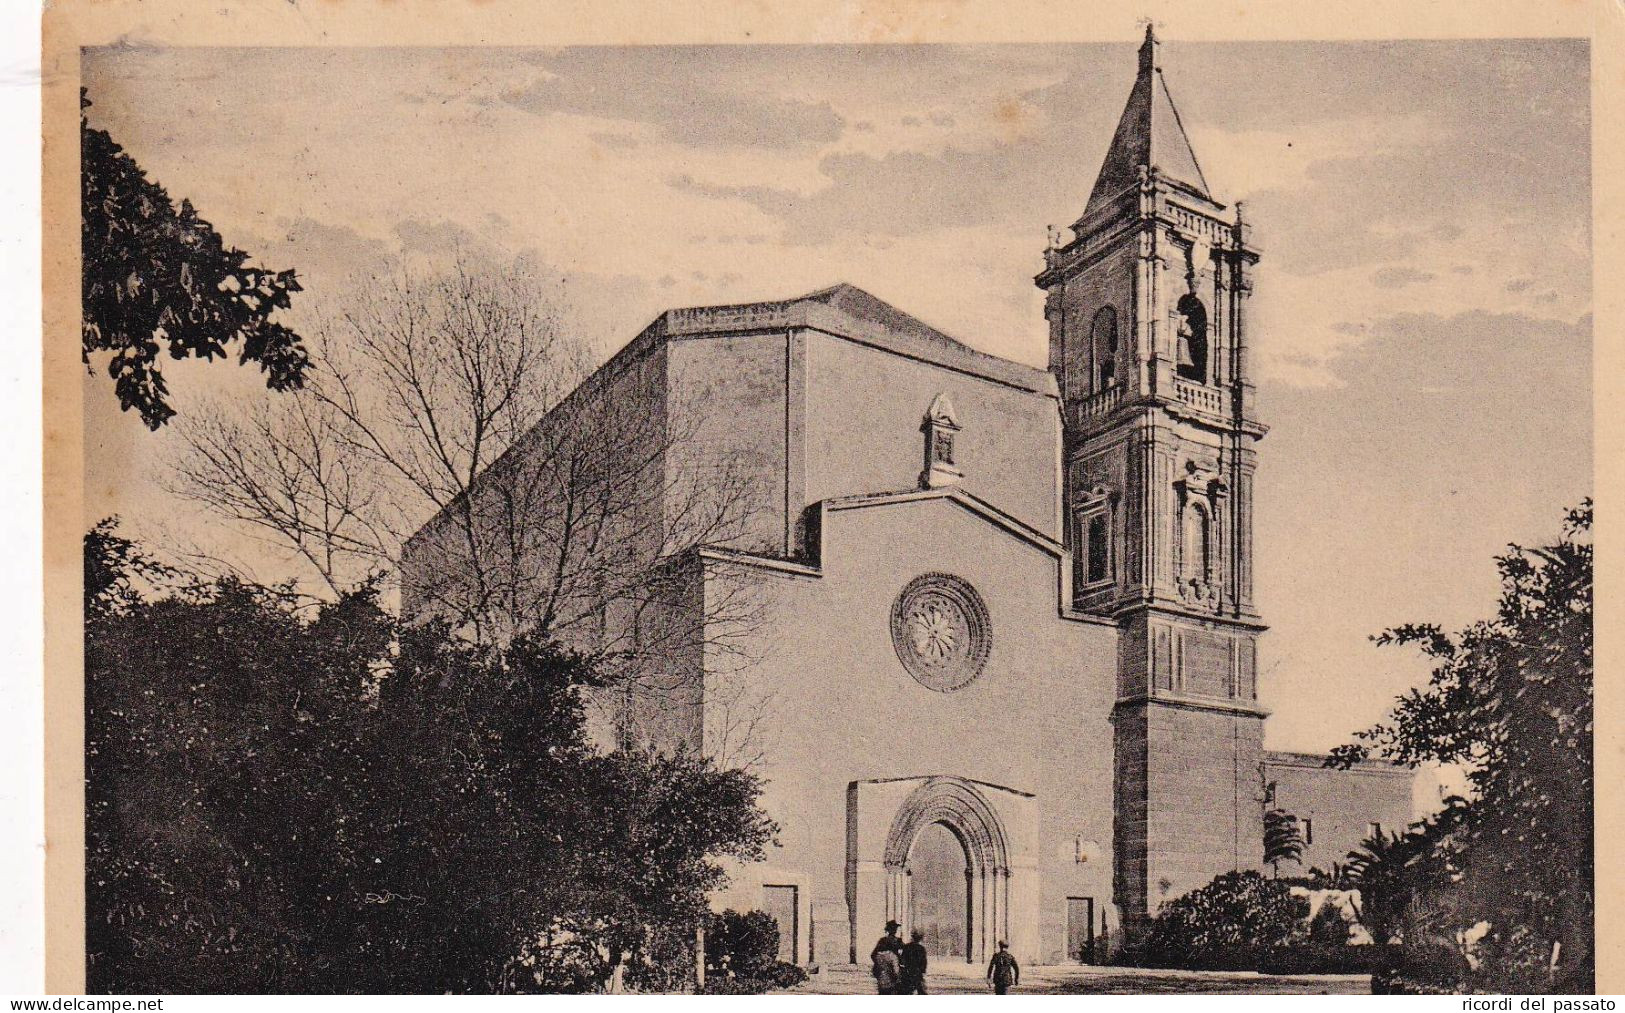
1006,659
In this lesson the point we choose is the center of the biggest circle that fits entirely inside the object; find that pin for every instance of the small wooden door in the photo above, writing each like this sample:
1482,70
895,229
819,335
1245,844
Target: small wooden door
1080,929
783,903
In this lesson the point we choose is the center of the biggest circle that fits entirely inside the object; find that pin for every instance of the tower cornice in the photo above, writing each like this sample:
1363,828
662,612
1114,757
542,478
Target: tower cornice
1212,408
1099,233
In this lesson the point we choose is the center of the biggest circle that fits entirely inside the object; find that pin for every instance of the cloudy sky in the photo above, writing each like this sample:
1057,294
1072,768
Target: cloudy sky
1423,326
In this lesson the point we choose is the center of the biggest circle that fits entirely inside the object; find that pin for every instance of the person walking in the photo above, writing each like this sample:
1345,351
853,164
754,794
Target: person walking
912,959
1002,970
887,968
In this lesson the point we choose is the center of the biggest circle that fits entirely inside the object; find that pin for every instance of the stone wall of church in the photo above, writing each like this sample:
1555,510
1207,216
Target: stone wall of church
734,424
1189,799
1341,807
838,707
864,409
802,416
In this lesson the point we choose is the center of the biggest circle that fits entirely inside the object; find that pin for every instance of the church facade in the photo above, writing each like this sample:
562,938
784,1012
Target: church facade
1006,661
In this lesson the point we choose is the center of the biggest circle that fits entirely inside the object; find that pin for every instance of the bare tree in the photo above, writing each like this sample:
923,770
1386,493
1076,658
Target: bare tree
433,378
452,427
281,468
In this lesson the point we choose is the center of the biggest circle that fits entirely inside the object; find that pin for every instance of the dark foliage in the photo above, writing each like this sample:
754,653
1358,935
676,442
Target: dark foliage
1509,700
782,974
665,963
158,278
1320,879
1242,921
291,802
1328,927
1426,968
741,943
735,986
1237,911
1410,883
1283,839
1378,871
117,572
218,728
741,955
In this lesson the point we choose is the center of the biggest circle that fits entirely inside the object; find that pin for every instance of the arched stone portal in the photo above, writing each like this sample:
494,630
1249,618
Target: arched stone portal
957,805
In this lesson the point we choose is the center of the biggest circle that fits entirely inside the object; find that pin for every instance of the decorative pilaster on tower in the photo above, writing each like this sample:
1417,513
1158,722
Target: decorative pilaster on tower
1147,309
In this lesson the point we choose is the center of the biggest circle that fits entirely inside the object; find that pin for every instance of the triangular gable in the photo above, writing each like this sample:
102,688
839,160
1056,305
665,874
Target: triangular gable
960,497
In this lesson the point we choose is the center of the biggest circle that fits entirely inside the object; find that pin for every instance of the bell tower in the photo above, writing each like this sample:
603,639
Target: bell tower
1146,298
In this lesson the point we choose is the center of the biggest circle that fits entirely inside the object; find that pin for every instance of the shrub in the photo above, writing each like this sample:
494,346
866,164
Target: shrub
1328,927
742,943
780,974
664,964
1420,968
1519,959
742,955
729,985
1224,921
562,962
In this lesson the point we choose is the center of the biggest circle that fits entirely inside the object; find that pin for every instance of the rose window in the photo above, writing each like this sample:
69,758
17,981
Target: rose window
940,631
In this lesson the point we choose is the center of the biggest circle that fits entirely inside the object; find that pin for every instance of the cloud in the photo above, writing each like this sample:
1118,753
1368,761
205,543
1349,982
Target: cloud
1535,358
612,140
324,256
904,193
438,236
1399,277
682,98
1304,322
338,243
1244,163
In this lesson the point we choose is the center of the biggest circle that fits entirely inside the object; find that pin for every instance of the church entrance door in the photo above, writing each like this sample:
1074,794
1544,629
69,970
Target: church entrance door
939,891
945,870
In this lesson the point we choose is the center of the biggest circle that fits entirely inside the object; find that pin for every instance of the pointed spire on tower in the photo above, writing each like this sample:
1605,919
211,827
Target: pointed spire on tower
1149,135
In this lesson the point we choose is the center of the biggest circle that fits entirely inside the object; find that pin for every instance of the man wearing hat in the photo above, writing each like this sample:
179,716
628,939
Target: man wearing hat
1002,970
887,969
